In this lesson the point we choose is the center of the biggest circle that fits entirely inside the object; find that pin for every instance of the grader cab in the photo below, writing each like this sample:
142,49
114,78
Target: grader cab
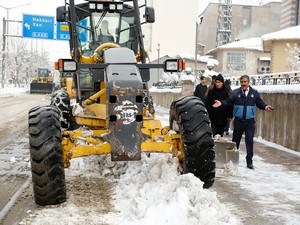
113,112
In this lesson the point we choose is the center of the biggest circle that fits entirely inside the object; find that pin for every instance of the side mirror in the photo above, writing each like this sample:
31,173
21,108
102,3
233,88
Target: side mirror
150,15
61,14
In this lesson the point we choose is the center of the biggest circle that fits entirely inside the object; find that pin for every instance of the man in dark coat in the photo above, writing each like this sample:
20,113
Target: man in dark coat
218,116
201,89
244,101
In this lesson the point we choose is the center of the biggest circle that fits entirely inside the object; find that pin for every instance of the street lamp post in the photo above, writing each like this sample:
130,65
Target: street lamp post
5,40
158,50
198,21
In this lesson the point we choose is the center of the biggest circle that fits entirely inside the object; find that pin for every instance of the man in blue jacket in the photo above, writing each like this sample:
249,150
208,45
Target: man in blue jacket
244,101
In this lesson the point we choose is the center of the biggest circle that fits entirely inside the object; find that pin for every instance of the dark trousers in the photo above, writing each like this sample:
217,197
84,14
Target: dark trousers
247,126
217,129
226,129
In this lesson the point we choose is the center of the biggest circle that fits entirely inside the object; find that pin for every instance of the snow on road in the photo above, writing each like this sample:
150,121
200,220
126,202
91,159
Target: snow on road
271,185
151,191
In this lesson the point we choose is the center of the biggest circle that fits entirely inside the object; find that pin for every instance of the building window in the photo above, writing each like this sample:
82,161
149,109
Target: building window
246,17
236,61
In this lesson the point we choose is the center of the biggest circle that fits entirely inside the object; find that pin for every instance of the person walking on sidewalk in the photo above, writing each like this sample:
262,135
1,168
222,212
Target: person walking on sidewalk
201,89
218,116
244,100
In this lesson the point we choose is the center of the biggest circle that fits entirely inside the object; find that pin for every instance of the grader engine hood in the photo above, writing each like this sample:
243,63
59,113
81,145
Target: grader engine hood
125,104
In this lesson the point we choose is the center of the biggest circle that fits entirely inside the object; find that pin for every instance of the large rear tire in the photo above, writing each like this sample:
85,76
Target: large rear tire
189,117
47,164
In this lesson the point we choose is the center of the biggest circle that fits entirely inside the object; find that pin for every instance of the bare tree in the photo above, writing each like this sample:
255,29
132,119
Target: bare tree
22,62
293,59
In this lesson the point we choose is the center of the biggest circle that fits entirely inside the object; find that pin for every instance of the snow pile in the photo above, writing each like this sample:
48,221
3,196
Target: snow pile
187,77
147,192
171,78
11,90
152,192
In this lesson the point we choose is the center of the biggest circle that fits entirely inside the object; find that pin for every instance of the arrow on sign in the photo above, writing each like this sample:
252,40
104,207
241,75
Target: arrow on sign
27,26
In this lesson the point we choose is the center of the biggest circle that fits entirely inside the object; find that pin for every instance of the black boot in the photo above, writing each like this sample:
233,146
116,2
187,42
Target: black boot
250,166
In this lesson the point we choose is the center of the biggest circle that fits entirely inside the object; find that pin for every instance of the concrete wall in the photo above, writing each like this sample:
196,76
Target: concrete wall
280,126
165,99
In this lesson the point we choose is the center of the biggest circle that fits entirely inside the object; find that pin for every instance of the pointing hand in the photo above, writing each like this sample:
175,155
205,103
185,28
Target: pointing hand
217,104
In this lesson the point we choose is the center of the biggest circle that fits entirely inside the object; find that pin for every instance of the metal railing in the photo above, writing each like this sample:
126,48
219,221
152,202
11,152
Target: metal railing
284,78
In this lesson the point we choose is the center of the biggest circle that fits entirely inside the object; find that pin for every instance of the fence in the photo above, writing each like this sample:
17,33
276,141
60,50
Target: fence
280,127
292,77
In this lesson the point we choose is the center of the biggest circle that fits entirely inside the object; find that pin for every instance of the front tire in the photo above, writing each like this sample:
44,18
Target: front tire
47,164
188,116
61,100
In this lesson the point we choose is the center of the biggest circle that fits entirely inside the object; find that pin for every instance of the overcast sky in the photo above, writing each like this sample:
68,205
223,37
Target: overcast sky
60,49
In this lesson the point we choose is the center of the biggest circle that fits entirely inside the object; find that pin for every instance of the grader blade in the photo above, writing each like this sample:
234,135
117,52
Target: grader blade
41,88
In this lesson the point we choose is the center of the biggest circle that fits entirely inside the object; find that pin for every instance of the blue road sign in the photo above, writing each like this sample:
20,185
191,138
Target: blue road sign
35,26
62,31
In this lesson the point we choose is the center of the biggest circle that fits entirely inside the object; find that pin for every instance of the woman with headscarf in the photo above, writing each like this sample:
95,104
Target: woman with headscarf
218,116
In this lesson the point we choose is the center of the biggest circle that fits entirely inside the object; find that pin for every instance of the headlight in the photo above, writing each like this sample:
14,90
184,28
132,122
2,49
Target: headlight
112,7
174,65
66,65
69,66
92,6
119,7
100,6
171,65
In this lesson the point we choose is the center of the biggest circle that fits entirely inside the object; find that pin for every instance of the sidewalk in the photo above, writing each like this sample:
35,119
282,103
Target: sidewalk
269,194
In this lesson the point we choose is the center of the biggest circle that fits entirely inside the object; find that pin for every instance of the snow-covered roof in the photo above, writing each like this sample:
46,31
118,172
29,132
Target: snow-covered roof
291,33
249,44
205,58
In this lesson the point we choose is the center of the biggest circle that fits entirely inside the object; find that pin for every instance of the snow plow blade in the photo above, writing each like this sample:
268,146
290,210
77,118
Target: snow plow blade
41,88
226,152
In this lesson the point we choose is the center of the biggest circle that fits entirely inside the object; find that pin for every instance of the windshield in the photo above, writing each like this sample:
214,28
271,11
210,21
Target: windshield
105,27
43,72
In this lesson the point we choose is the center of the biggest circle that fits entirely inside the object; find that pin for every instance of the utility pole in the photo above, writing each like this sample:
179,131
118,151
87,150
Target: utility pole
5,39
158,49
3,54
199,20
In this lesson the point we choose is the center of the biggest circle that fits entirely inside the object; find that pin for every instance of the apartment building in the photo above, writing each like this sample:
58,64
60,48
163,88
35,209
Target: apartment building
247,21
289,13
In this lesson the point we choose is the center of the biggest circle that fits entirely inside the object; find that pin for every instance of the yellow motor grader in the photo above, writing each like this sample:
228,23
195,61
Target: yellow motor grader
42,81
113,112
